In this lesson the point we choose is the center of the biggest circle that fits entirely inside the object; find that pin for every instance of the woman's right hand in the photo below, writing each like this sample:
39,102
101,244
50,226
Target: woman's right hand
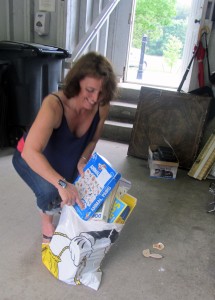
69,195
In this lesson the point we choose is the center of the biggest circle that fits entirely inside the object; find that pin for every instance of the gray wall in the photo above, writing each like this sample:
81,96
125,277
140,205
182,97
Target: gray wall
17,24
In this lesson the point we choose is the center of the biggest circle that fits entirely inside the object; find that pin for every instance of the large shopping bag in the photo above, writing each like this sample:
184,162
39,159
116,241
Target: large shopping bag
78,247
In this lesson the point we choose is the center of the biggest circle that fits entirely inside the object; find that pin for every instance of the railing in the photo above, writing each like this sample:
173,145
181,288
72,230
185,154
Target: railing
93,31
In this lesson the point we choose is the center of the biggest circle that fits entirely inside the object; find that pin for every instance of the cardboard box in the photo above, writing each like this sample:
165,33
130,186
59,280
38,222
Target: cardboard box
159,168
99,180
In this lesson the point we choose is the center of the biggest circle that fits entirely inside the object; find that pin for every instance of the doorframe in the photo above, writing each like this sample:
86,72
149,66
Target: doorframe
200,7
205,12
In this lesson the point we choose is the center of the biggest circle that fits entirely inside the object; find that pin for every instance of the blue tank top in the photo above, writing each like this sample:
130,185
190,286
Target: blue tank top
64,149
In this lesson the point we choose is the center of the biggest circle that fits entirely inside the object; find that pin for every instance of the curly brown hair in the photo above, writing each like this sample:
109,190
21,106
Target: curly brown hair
93,65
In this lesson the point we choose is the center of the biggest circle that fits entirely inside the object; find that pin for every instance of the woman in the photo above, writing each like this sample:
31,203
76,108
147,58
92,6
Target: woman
64,135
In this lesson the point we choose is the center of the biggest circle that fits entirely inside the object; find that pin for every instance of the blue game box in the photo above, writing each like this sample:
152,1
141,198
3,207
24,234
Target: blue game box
99,180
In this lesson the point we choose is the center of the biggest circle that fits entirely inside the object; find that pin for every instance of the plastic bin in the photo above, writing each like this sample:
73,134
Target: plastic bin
35,71
4,67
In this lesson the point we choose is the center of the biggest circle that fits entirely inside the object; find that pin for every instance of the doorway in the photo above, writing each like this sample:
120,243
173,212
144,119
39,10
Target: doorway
157,43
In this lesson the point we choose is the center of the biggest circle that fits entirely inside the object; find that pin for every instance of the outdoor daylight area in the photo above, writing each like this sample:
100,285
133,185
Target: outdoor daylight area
158,39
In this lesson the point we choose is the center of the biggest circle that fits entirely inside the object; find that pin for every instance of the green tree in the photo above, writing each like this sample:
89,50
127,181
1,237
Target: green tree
150,18
177,28
172,51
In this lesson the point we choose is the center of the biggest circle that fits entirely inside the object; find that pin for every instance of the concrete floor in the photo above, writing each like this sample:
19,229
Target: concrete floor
171,212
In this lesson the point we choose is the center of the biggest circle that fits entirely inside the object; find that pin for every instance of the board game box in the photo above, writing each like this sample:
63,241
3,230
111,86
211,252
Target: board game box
122,208
99,180
119,190
103,211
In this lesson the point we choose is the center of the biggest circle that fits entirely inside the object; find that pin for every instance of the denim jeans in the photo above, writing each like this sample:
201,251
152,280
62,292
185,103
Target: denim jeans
47,196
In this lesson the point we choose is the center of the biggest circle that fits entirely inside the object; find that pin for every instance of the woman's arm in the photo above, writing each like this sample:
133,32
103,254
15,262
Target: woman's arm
48,118
103,113
46,121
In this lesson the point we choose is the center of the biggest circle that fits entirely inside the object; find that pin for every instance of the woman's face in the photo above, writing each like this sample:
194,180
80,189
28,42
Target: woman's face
90,91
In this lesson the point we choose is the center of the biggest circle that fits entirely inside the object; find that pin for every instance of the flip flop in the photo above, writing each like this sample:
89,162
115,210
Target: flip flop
146,253
49,238
158,246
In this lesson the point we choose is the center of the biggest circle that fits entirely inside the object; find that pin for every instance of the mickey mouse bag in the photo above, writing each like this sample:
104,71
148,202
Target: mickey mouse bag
80,241
78,247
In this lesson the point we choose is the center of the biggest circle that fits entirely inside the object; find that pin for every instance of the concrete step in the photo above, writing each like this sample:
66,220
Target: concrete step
122,112
121,117
128,94
117,131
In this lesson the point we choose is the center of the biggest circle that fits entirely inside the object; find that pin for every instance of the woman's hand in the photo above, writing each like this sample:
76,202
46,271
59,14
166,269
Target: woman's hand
69,195
81,164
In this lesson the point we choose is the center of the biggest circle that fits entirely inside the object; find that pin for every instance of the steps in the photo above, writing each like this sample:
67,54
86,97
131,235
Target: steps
120,121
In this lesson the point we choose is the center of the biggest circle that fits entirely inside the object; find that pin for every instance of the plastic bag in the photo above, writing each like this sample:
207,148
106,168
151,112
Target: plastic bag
78,247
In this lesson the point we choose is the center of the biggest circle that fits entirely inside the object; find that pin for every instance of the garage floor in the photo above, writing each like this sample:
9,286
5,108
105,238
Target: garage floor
173,212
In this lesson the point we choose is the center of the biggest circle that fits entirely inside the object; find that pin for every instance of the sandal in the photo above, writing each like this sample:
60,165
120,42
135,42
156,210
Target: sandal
49,238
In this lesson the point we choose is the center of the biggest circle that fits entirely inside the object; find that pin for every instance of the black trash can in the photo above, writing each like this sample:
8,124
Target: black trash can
4,133
35,71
